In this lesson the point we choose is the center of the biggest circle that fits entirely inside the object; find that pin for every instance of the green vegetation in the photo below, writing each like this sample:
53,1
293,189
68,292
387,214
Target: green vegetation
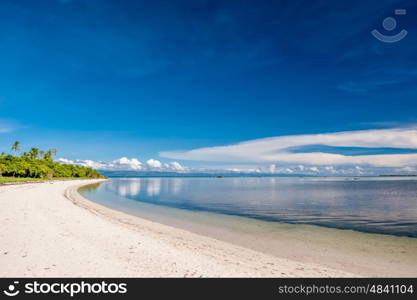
5,180
36,164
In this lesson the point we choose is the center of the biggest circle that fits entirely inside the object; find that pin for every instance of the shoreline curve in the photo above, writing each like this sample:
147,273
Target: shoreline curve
248,263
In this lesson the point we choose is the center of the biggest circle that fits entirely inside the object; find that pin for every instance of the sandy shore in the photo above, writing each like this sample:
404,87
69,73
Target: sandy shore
49,230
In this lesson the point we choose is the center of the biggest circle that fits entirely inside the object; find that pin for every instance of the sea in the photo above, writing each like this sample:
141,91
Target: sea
382,205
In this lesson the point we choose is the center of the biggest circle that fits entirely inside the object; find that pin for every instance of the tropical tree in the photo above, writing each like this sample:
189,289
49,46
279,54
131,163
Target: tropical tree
40,164
16,146
34,153
3,169
49,155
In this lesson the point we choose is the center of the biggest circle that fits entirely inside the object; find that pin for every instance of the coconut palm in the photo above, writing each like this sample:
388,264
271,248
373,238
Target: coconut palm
34,153
49,155
16,146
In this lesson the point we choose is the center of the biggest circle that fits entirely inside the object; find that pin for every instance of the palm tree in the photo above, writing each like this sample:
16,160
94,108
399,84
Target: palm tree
34,153
49,155
16,146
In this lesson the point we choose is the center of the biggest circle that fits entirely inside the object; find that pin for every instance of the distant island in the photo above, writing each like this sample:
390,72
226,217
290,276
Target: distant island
398,175
39,165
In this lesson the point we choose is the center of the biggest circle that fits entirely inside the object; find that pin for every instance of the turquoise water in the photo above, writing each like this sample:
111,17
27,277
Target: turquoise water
378,205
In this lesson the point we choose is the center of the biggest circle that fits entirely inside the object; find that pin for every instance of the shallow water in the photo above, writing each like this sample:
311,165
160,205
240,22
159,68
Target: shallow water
385,205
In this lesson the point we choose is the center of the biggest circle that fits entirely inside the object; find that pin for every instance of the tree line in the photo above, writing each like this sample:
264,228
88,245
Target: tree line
37,163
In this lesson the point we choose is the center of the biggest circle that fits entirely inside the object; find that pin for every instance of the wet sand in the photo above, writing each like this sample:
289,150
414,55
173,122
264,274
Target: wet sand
363,254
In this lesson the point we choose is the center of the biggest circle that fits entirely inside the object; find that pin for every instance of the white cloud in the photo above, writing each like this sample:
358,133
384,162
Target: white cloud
314,169
330,169
83,163
176,166
288,170
247,170
126,164
407,170
153,163
275,149
272,168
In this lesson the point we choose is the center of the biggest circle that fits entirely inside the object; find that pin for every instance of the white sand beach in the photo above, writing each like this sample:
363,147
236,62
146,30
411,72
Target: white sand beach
44,233
49,230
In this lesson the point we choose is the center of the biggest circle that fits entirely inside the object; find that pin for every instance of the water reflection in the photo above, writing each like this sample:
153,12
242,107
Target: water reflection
127,187
153,186
375,205
176,184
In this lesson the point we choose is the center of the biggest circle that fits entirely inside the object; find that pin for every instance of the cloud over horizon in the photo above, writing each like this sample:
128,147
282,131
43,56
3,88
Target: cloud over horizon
279,149
126,164
282,155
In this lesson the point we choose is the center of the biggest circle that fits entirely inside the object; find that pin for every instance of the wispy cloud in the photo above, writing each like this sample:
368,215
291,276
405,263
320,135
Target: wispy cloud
360,87
7,126
4,129
275,149
380,78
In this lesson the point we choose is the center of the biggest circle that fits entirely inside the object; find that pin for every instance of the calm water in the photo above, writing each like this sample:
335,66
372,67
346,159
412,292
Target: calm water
379,205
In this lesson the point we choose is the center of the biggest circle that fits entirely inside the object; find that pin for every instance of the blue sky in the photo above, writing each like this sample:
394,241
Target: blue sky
101,80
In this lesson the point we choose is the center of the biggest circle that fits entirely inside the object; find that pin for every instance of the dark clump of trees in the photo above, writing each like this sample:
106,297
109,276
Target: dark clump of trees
40,164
